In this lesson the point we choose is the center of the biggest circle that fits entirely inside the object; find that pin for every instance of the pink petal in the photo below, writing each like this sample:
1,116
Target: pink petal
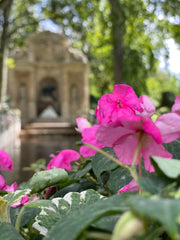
82,123
105,108
11,188
169,126
63,159
127,96
86,151
89,136
125,149
5,161
21,202
151,129
24,199
151,148
132,186
109,135
16,204
122,114
148,106
176,106
2,183
121,104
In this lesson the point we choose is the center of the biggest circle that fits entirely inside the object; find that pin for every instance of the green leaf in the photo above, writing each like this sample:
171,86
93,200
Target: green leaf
165,211
28,215
45,219
107,223
101,163
153,184
74,224
74,200
118,178
71,201
74,187
173,147
13,197
44,179
8,232
80,173
169,167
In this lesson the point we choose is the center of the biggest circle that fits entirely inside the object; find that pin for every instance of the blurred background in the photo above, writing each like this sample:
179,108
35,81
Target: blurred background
132,42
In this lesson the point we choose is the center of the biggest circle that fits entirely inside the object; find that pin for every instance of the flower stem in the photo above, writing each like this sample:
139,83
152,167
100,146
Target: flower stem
129,169
18,220
98,235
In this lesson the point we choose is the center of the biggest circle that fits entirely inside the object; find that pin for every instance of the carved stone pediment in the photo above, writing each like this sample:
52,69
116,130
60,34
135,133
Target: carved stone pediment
48,46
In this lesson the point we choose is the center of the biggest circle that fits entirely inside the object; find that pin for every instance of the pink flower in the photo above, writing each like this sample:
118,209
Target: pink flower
120,105
11,188
5,187
147,105
5,161
176,106
132,186
82,123
169,126
2,183
63,159
88,135
21,202
124,139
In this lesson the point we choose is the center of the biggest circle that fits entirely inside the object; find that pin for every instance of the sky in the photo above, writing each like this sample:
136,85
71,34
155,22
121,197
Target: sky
174,58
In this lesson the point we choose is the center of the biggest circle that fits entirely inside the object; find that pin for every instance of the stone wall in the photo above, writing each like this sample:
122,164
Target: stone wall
10,127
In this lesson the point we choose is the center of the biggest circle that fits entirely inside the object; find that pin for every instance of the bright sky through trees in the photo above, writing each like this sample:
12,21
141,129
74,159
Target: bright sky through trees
174,52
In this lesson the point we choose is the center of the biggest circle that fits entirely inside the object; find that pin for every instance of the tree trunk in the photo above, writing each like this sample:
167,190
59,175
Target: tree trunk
3,49
117,38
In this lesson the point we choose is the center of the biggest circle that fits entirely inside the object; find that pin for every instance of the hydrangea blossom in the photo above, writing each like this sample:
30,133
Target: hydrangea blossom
120,105
63,159
5,161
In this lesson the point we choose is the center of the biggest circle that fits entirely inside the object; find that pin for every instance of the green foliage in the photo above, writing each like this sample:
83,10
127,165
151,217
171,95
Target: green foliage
7,231
43,179
161,82
109,32
79,220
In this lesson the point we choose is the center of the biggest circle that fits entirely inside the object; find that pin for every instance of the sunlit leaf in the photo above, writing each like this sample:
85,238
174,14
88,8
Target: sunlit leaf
169,167
44,179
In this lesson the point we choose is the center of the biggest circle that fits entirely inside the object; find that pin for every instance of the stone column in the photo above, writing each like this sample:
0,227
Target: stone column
12,89
32,111
86,103
64,92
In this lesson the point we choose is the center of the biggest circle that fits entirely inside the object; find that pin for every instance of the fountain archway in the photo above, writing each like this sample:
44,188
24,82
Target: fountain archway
48,98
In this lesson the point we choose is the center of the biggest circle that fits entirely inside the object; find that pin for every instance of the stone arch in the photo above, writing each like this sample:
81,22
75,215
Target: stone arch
48,95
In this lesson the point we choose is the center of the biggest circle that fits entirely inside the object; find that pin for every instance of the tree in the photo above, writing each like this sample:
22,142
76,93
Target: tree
130,45
5,9
17,21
